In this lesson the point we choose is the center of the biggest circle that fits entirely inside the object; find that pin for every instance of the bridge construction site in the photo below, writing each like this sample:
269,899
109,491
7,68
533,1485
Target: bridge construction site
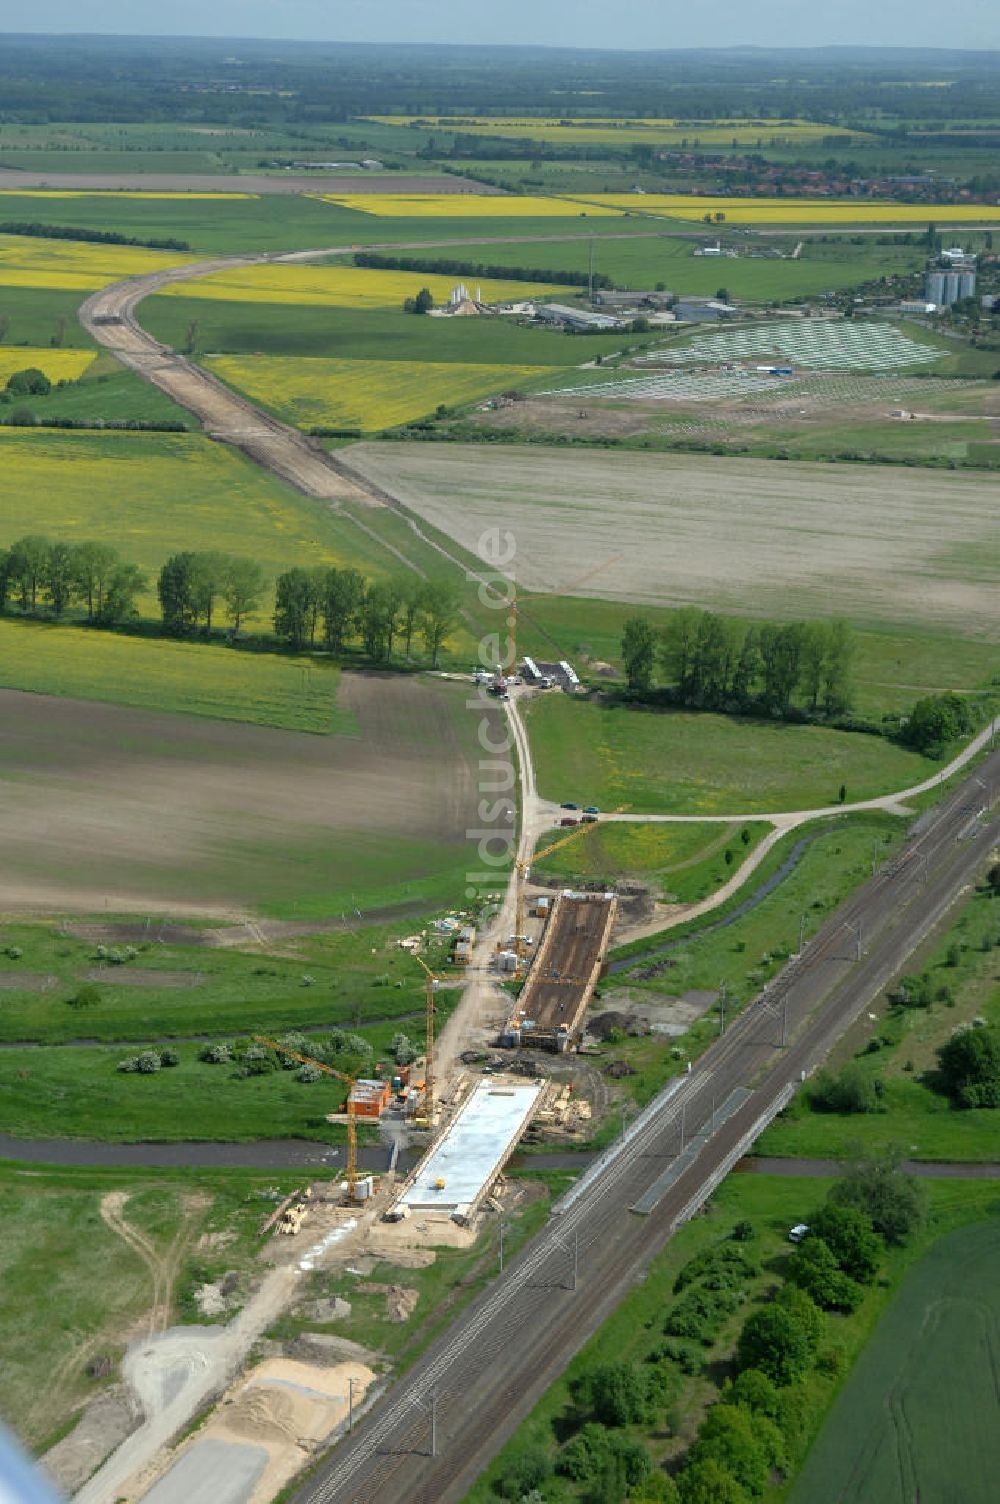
564,971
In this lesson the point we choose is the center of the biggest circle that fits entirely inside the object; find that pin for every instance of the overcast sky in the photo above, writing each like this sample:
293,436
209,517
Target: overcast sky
584,23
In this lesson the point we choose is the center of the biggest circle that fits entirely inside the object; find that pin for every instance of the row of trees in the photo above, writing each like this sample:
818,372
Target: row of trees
339,605
95,237
760,1421
443,267
192,584
37,572
714,662
323,606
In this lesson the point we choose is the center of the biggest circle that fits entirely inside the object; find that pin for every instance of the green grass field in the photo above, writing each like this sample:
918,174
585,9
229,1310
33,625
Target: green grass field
915,1117
642,262
364,334
95,1288
104,393
676,762
178,991
916,1417
193,494
271,222
68,1092
267,689
679,863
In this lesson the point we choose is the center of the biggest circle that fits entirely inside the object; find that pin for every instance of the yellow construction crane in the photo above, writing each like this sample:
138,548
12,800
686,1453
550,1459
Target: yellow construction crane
432,986
352,1132
541,595
523,868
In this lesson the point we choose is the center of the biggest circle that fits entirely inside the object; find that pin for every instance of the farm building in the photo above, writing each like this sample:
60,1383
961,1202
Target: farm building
703,310
575,318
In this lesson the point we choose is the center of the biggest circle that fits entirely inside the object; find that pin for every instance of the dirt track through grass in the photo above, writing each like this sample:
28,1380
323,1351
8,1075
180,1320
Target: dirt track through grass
747,535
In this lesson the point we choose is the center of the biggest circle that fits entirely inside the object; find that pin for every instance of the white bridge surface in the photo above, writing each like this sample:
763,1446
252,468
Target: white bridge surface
472,1150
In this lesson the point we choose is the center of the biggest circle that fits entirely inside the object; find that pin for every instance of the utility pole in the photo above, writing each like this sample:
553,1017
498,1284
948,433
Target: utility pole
683,1109
874,859
784,1019
590,275
623,1118
857,954
434,1424
802,931
501,1245
722,1010
350,1404
576,1259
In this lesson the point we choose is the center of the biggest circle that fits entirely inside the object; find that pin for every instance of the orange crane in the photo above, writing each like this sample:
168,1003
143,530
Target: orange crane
352,1131
433,983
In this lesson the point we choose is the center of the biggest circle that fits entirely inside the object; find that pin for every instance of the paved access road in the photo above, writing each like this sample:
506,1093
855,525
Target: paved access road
468,1392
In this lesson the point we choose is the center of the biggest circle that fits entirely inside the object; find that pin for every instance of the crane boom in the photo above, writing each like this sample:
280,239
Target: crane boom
352,1132
432,982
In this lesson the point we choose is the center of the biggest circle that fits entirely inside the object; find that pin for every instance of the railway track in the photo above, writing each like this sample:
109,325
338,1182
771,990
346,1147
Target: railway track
432,1433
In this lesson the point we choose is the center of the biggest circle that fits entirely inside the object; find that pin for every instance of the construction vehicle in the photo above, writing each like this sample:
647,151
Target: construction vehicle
433,983
352,1081
294,1215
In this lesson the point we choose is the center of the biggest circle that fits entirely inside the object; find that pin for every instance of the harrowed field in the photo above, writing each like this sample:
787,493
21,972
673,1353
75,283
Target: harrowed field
739,535
209,818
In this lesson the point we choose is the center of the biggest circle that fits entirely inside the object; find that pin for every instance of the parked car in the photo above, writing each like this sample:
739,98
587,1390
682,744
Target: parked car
591,809
589,820
569,805
569,820
797,1233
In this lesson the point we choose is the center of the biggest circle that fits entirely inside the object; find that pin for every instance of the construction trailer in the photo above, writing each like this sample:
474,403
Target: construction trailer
369,1098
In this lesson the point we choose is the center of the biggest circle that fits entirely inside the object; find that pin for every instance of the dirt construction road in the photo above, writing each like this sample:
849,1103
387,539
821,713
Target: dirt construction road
109,317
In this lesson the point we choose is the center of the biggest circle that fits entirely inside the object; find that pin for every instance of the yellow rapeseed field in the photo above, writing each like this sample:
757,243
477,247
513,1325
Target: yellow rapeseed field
365,394
119,193
58,365
797,211
460,205
628,132
337,286
75,266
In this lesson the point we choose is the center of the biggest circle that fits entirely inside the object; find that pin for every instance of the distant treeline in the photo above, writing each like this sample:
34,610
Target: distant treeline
445,268
23,417
95,237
